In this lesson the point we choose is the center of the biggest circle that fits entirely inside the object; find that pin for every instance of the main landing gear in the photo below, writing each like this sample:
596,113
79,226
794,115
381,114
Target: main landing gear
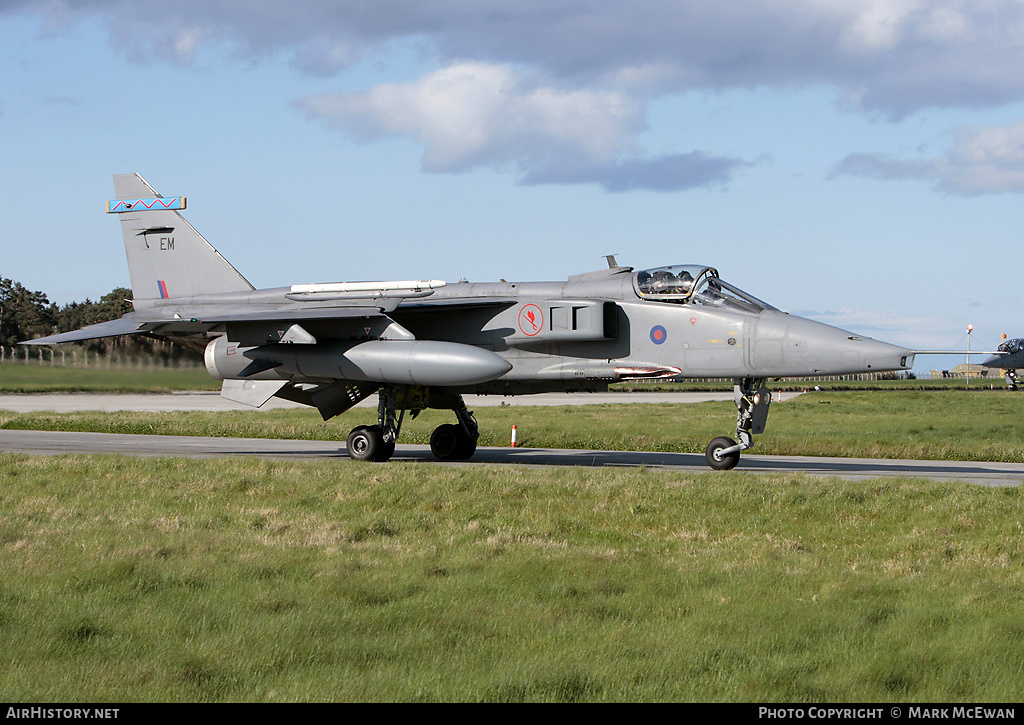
449,442
752,401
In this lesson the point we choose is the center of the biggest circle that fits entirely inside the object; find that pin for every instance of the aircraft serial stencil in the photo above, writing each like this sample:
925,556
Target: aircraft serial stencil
422,344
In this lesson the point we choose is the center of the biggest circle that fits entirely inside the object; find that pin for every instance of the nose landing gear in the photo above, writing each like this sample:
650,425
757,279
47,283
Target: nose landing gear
752,401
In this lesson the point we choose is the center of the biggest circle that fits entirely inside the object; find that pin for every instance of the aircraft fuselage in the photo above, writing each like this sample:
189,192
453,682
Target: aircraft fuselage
423,344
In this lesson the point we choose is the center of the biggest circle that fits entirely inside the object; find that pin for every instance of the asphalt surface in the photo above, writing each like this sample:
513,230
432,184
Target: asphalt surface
58,442
53,442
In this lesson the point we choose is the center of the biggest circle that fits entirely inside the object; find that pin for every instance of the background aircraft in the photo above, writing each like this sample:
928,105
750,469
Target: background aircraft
1010,358
423,344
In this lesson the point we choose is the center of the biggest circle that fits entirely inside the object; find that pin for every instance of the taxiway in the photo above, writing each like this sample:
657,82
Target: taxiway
54,442
59,442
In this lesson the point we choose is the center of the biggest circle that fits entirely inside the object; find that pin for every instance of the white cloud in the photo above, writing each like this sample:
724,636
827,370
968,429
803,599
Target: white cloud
983,160
891,56
989,159
476,115
600,62
872,27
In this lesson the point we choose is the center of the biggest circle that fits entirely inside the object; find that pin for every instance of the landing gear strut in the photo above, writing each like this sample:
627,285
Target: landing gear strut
377,442
752,401
449,442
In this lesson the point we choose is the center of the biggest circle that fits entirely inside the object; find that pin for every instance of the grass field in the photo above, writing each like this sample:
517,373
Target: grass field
978,425
19,378
245,580
241,580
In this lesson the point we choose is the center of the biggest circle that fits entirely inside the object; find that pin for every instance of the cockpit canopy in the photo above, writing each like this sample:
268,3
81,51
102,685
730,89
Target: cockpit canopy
1012,346
693,284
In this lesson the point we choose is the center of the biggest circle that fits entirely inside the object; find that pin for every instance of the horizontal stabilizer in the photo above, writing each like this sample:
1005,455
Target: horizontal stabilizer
113,328
251,392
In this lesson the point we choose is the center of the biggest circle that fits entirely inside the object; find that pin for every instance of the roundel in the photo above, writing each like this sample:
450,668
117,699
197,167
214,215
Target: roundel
658,334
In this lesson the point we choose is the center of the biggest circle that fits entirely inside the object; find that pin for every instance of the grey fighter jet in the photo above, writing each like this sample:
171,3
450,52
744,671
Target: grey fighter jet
423,344
1009,357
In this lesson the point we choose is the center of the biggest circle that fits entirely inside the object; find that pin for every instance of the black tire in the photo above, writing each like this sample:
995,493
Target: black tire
727,462
449,442
366,443
466,449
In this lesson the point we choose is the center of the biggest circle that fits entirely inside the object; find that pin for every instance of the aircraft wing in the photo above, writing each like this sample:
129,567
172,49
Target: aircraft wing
454,303
327,313
199,320
113,328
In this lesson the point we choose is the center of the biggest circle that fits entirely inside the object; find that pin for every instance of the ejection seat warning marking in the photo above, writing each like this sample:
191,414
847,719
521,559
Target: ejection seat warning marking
658,334
531,320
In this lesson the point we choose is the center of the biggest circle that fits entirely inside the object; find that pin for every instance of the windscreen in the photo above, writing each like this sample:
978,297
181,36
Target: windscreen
693,284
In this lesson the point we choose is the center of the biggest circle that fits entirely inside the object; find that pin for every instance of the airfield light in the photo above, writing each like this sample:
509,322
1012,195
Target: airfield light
970,329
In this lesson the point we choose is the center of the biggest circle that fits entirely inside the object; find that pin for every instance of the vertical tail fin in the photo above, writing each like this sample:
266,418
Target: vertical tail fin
166,256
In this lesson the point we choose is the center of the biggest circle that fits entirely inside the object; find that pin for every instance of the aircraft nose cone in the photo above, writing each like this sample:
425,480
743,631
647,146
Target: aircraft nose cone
881,356
993,361
787,345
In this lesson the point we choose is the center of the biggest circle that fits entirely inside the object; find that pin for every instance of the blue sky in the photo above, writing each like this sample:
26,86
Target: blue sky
860,163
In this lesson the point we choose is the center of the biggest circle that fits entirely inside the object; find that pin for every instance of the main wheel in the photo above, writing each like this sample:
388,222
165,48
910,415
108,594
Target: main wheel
450,442
466,449
722,463
366,443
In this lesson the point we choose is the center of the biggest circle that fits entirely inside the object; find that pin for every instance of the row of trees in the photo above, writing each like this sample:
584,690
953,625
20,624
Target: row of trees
25,315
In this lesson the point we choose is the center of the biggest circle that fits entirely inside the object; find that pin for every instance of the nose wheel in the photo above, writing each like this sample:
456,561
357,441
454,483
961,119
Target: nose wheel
719,461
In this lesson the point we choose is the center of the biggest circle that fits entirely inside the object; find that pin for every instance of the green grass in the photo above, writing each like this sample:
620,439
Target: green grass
131,579
31,378
937,425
